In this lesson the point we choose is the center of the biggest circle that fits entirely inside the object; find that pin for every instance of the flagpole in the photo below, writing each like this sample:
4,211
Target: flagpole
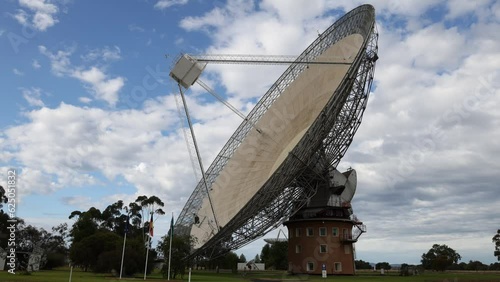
124,243
123,254
170,248
147,254
149,244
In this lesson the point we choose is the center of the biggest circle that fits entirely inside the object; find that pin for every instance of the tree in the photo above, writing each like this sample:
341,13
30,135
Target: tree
476,265
361,264
440,257
85,253
265,256
384,265
496,240
30,239
3,219
257,258
458,266
86,224
494,266
242,258
96,237
275,255
181,248
148,207
3,197
231,261
404,270
112,219
133,261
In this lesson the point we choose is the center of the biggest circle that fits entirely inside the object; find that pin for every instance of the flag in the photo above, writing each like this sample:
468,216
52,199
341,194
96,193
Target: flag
172,226
151,227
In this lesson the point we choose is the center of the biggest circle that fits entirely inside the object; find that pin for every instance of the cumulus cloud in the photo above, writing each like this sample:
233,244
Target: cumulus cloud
40,14
104,88
139,148
241,27
100,84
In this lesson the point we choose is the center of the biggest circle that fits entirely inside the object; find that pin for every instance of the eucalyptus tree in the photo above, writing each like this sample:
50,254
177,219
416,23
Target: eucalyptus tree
148,207
496,240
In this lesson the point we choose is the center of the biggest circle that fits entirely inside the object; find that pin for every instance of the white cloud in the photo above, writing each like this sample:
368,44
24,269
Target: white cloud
135,28
21,16
457,8
297,11
36,64
81,202
100,84
17,72
106,54
41,6
179,41
33,96
215,17
164,4
42,21
59,62
42,14
104,88
27,179
74,143
85,100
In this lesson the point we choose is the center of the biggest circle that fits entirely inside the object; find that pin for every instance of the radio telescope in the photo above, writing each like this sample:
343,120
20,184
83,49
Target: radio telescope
285,152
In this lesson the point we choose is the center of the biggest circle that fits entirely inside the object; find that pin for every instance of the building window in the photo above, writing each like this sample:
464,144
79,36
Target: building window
346,234
310,266
322,231
338,267
297,232
347,249
322,249
298,249
310,231
335,231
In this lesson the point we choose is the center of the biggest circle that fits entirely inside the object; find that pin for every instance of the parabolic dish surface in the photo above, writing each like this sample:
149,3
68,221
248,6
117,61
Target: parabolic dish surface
305,122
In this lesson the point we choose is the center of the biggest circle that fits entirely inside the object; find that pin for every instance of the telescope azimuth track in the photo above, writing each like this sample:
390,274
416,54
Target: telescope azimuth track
306,120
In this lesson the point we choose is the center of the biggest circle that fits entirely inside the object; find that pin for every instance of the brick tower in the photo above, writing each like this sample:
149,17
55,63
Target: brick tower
322,234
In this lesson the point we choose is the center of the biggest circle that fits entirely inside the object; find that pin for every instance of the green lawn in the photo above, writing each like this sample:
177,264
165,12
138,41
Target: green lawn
79,276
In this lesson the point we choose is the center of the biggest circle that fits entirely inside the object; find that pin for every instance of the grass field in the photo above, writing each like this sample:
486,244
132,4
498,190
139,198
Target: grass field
79,276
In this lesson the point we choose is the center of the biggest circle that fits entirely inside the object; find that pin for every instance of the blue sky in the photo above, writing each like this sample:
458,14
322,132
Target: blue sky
89,116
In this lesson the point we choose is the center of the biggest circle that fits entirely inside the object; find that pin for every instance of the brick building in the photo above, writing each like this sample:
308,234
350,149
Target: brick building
322,234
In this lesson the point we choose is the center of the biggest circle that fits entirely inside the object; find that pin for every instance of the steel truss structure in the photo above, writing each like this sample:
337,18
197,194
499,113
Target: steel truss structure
305,168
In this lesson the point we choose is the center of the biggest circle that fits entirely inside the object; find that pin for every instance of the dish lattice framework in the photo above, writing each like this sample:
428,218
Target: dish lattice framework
325,143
